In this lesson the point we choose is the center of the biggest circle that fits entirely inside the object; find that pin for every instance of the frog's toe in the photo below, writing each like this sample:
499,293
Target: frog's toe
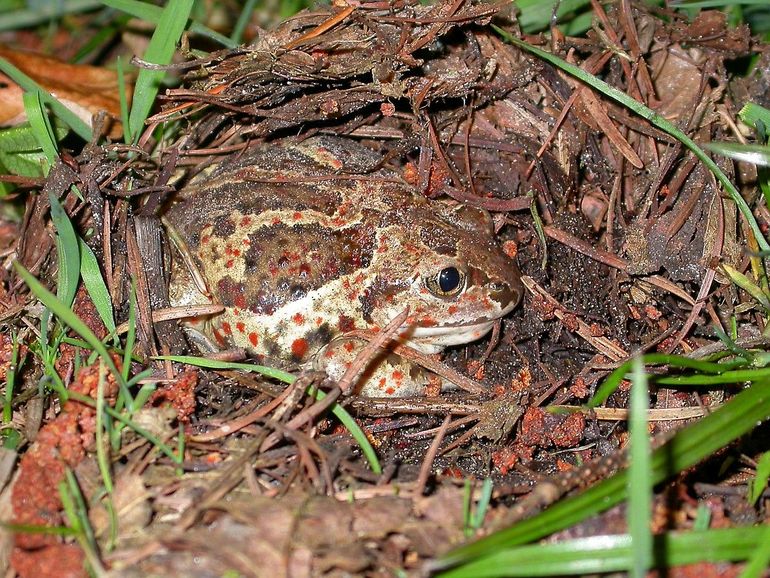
386,374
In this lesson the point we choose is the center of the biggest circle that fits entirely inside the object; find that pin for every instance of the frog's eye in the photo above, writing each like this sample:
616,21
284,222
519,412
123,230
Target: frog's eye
448,282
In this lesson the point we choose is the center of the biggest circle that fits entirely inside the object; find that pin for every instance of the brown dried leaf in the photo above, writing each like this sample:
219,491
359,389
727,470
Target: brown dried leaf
131,502
85,90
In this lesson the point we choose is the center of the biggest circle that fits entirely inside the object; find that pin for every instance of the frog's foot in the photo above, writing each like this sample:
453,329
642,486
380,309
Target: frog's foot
386,374
200,340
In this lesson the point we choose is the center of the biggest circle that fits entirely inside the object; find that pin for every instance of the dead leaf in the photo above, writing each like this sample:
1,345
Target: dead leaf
132,507
85,90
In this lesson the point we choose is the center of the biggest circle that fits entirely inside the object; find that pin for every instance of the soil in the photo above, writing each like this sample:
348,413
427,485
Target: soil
617,228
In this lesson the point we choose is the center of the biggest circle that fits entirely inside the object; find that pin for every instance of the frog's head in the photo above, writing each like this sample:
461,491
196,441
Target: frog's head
453,276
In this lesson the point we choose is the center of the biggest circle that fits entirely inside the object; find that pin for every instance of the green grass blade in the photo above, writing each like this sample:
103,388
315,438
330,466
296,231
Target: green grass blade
687,447
339,412
611,383
752,113
161,48
123,100
654,118
243,20
639,509
751,153
759,561
467,514
77,513
483,504
599,554
66,316
153,14
10,380
68,251
131,334
29,85
41,12
20,153
229,365
126,421
702,518
41,127
95,285
355,430
728,377
759,483
102,458
535,15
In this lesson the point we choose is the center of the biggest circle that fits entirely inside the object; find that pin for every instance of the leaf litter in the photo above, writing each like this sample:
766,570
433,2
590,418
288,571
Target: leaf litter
634,227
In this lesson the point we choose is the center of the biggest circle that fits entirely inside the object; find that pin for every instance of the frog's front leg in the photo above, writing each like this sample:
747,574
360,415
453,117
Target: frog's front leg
387,374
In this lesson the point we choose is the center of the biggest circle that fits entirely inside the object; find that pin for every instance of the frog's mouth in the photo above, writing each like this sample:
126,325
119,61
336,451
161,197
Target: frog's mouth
434,339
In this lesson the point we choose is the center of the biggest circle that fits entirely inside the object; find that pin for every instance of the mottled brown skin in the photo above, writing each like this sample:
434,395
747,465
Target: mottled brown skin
301,250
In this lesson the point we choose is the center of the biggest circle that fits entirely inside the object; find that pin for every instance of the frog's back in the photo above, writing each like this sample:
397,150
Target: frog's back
325,177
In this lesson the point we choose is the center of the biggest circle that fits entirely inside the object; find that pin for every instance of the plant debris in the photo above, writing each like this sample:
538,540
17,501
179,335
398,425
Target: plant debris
618,229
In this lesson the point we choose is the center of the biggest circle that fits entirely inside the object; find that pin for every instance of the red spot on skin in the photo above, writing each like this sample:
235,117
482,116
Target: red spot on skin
205,239
346,324
297,216
253,338
349,346
398,375
240,327
452,309
319,321
226,328
219,337
229,263
240,301
246,242
390,391
298,318
299,348
382,382
245,221
236,252
338,222
236,312
276,221
304,270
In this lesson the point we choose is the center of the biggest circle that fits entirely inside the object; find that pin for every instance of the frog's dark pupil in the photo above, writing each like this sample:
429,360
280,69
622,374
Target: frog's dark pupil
449,279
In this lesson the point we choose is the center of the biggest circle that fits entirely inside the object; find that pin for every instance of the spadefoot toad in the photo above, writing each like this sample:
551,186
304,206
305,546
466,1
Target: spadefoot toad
303,243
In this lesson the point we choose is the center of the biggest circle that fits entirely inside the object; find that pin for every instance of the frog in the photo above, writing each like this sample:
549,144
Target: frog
306,244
